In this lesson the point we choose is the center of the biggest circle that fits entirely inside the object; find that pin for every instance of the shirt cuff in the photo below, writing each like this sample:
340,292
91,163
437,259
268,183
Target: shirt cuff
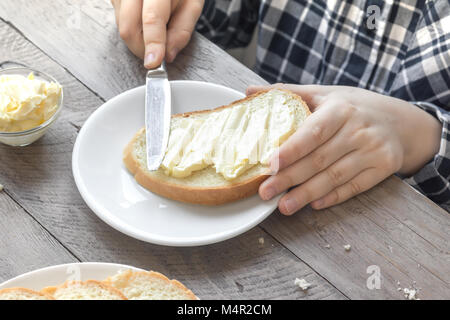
433,179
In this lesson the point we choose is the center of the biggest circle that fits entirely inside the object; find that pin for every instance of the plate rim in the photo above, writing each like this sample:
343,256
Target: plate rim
4,284
119,225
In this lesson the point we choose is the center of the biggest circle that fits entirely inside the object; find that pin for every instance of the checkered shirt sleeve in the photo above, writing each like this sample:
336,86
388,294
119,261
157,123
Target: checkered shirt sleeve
424,79
229,23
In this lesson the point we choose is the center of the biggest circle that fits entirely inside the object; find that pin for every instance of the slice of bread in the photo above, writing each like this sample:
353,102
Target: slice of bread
23,294
84,290
205,186
149,285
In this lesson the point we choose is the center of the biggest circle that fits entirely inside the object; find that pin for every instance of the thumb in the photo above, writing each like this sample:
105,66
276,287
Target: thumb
313,95
155,16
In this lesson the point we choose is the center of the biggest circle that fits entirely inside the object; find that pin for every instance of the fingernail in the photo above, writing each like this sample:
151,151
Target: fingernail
250,90
290,205
269,193
150,59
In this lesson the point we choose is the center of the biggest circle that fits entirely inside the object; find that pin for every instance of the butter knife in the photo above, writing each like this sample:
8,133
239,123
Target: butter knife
157,115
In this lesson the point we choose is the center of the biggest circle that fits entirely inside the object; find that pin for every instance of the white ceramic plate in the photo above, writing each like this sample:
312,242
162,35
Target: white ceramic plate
56,275
113,194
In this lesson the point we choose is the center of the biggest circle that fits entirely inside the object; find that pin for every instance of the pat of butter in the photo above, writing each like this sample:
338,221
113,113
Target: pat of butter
231,140
26,102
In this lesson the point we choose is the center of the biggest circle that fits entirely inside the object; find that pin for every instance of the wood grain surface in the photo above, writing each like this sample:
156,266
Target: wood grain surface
24,244
391,227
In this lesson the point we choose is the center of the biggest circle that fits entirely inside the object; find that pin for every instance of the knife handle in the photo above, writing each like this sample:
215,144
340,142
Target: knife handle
159,72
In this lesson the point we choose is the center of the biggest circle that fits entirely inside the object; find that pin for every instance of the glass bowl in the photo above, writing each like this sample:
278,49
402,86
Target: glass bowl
24,138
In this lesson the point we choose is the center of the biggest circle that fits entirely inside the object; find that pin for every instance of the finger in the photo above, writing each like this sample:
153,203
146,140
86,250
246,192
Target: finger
362,182
321,184
317,129
313,95
181,26
302,170
130,26
116,6
155,16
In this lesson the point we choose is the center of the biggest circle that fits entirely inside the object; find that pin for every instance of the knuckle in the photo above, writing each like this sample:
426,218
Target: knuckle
318,161
150,18
306,194
360,136
355,188
333,96
334,198
125,32
335,176
350,110
318,133
279,85
365,124
197,6
362,125
369,139
286,181
183,35
376,142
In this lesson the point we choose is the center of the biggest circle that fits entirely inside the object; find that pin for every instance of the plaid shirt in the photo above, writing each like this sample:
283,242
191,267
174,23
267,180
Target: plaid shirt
397,48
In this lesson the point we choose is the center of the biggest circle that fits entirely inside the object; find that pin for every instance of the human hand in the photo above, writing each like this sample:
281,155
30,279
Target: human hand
353,140
155,29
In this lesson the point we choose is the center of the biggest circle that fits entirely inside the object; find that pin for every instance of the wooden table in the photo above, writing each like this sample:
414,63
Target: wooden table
44,221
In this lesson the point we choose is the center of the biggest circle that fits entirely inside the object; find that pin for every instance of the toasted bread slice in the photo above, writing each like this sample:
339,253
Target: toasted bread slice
87,290
149,285
23,294
205,186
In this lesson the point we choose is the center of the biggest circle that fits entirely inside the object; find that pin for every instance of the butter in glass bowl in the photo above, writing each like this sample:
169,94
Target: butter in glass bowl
30,101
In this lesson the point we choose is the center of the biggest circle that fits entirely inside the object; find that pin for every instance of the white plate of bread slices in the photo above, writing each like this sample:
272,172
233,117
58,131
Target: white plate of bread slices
205,191
93,281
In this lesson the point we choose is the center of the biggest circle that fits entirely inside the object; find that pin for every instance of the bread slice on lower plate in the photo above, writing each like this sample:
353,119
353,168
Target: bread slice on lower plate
149,285
23,294
84,290
207,186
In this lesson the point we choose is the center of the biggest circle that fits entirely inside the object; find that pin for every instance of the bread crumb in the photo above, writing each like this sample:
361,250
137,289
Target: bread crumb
347,247
302,283
410,294
261,241
327,246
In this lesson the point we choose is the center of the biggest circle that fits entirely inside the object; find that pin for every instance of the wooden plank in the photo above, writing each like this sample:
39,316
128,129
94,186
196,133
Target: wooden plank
389,227
24,244
82,37
39,178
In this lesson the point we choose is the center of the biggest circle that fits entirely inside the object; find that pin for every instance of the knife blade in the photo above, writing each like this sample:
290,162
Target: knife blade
157,115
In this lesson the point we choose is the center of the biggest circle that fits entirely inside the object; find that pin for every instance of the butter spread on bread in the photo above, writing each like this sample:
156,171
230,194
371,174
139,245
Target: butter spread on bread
220,155
233,139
